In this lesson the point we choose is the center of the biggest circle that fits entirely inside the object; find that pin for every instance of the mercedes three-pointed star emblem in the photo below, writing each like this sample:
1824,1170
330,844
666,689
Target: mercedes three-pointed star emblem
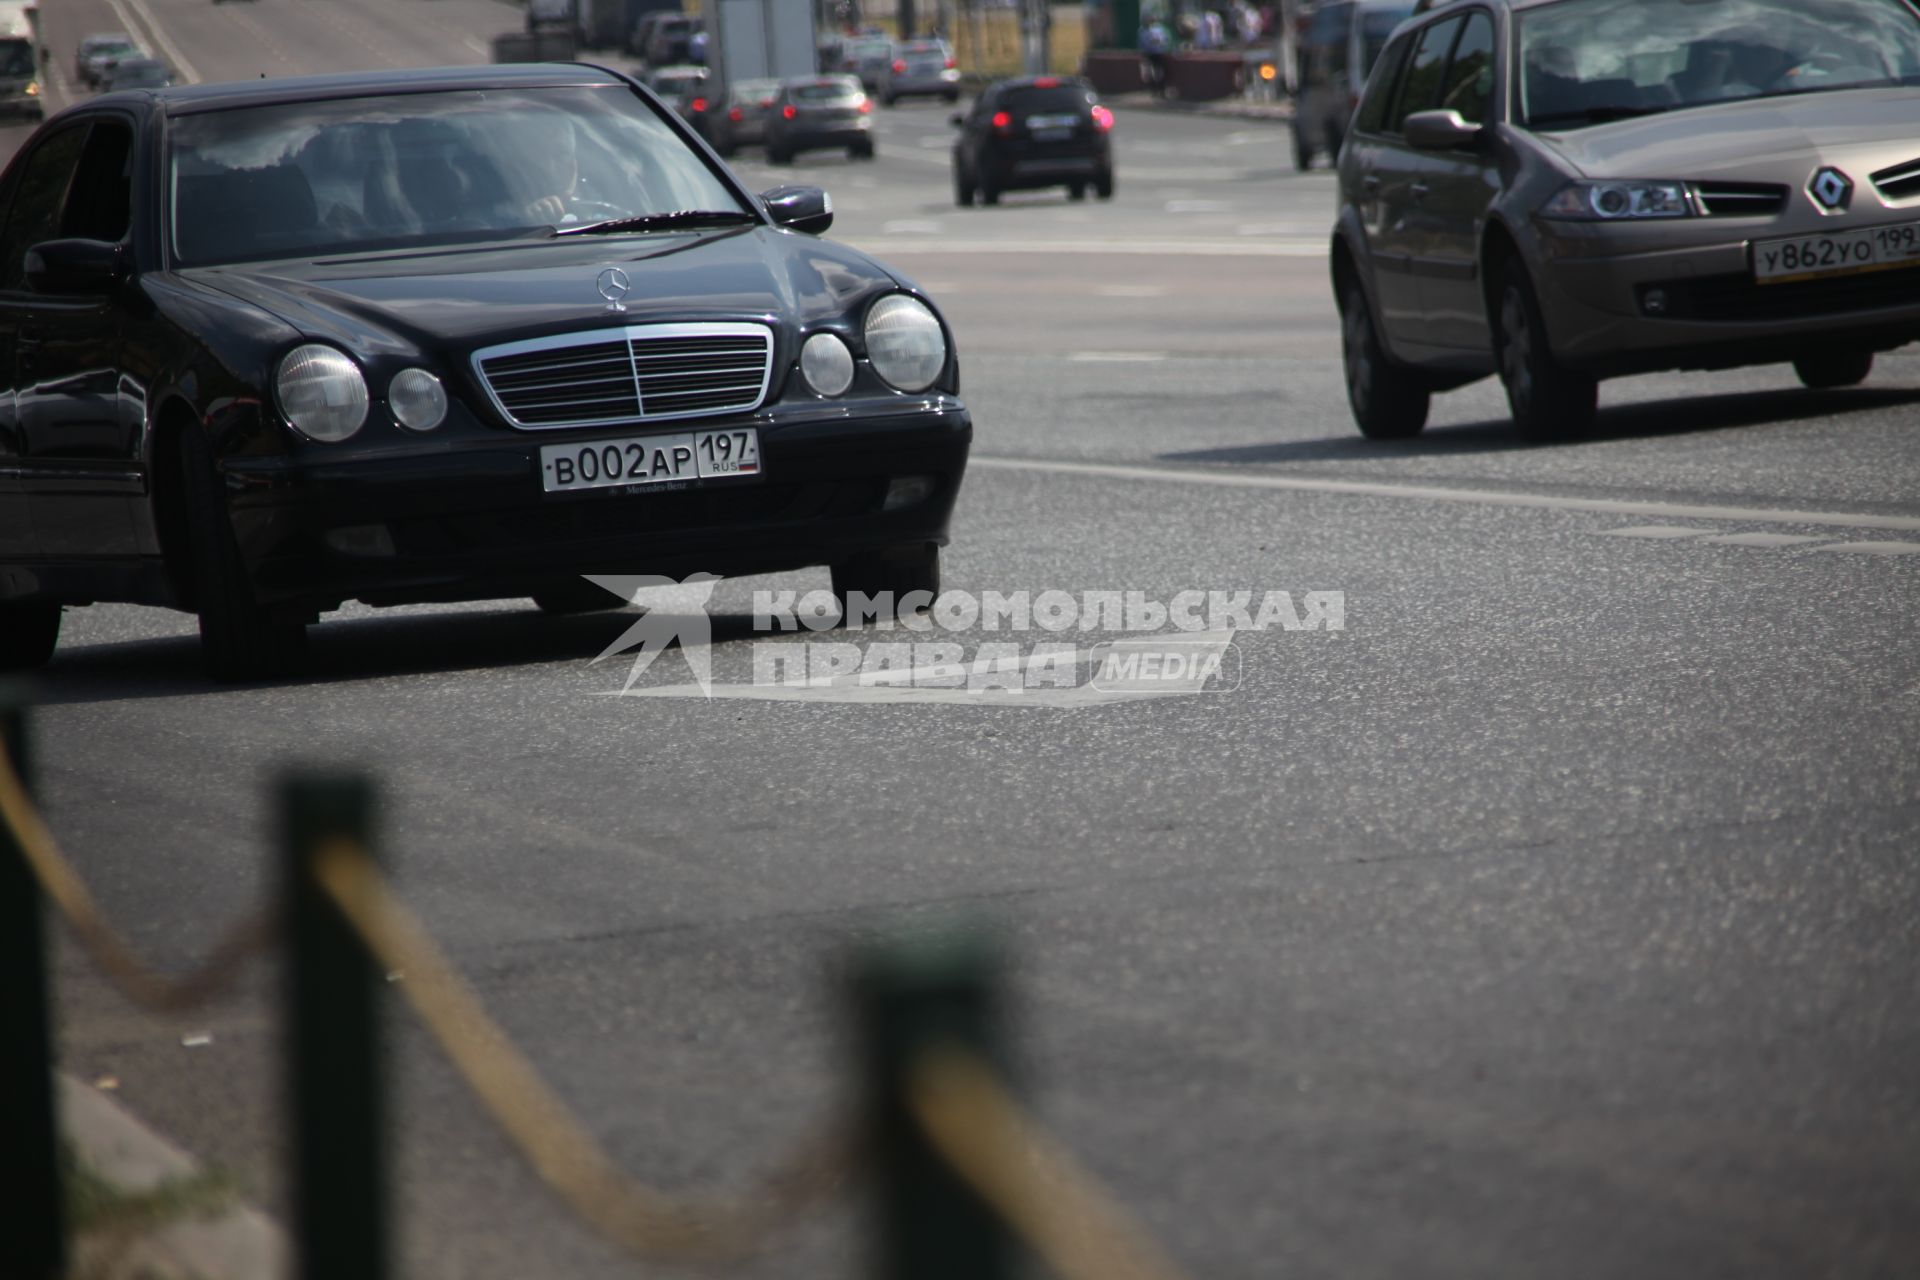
614,285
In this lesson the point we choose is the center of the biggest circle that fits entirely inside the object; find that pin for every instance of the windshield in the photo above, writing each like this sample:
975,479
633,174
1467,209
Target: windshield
826,91
115,49
316,178
1587,61
16,58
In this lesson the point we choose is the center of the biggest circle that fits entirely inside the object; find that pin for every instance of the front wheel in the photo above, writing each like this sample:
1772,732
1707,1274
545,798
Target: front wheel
239,638
1825,370
28,632
1388,403
1547,399
888,577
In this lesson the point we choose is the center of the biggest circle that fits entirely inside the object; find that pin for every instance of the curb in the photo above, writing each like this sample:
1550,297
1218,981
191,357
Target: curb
238,1243
1224,108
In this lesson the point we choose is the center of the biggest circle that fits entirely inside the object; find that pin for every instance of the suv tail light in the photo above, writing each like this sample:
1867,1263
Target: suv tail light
949,64
1002,122
899,67
866,106
1047,82
699,105
789,111
1102,119
736,115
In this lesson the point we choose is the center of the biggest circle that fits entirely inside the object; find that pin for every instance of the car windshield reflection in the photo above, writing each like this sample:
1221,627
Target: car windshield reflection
322,178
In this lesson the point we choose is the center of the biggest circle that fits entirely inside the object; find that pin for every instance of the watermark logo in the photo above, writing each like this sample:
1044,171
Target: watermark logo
1050,648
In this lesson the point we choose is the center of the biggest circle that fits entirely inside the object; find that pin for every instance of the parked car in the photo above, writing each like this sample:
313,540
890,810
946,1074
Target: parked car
96,53
744,122
643,30
1343,41
919,68
1569,191
1033,131
816,113
139,73
866,59
670,40
428,336
20,79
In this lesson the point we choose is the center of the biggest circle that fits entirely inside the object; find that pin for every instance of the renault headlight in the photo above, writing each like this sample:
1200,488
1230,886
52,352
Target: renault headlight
904,342
322,393
827,364
1611,201
418,401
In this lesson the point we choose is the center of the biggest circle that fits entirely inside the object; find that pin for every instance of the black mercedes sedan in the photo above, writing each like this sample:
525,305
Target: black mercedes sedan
441,335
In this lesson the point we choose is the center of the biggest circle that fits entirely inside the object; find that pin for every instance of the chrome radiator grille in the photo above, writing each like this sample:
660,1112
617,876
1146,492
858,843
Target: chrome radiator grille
638,374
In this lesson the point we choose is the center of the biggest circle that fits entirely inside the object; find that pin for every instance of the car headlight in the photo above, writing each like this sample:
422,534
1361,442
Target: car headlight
418,401
322,393
827,364
1610,201
904,342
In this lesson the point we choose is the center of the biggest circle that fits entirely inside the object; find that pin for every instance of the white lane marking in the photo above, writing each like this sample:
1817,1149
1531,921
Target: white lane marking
476,46
1654,531
1198,206
933,143
167,46
1486,497
1117,357
1875,548
1131,291
1149,248
1761,539
910,226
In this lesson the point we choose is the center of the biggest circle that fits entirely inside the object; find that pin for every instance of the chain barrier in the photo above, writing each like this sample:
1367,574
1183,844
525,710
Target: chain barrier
562,1153
136,980
954,1096
987,1138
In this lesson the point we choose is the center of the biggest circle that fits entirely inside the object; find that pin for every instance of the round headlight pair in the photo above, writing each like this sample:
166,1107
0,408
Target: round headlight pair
904,344
324,395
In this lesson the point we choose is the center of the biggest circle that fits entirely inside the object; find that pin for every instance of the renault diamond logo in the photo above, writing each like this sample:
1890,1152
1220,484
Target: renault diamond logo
613,287
1832,190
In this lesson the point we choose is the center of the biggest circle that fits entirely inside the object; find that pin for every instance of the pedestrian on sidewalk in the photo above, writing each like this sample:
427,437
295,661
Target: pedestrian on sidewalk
1156,42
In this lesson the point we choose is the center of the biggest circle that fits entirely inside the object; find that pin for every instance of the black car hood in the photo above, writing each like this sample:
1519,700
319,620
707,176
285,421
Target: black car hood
454,300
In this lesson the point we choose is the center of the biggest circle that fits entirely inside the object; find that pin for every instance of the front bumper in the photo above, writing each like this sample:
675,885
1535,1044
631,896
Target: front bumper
1698,307
474,524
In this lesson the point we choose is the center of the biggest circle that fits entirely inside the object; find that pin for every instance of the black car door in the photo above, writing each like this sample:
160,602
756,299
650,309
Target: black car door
1461,186
81,471
33,214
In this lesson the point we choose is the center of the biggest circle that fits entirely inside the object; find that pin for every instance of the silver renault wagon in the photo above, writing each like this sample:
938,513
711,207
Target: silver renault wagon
1560,191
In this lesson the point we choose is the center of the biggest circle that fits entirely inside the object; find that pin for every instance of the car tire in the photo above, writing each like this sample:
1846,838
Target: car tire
898,571
889,100
951,98
239,640
1302,151
989,194
1103,185
1076,191
863,152
962,190
1548,401
1827,370
575,596
777,155
29,630
1388,402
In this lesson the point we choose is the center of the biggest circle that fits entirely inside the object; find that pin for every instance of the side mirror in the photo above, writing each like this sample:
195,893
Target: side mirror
75,267
808,209
1440,131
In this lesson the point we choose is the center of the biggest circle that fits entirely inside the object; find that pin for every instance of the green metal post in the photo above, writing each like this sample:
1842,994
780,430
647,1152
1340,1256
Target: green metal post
333,1045
33,1237
911,997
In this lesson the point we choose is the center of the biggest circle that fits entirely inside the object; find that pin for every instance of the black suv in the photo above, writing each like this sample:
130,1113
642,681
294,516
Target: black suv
1036,131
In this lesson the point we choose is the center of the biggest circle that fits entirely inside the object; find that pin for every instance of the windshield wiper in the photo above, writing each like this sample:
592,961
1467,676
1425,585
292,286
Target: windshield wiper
672,221
1594,115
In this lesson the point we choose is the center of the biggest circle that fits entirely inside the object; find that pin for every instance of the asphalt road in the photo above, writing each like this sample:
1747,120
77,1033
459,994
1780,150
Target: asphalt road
1558,915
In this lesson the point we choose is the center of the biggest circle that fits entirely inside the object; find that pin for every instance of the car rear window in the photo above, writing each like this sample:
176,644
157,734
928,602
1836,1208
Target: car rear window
1061,99
826,91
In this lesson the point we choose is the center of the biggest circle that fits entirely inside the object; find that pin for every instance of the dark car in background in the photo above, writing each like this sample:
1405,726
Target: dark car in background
1031,132
865,58
819,113
670,40
919,68
1343,41
20,88
96,54
1567,191
743,121
426,336
684,89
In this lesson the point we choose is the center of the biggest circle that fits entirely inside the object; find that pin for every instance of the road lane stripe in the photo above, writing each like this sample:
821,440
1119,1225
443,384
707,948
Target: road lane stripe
1483,497
1655,531
1874,548
154,32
